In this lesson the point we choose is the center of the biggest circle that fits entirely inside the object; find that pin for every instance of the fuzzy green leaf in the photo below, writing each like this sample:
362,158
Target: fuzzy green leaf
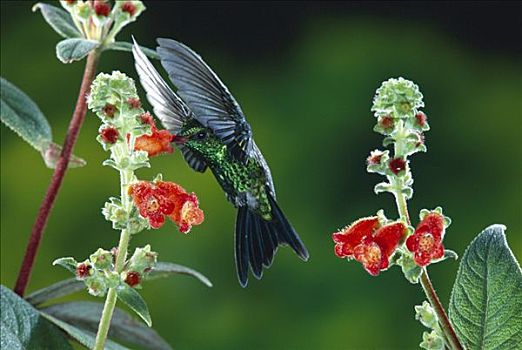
86,316
59,19
125,46
75,49
167,269
67,263
133,299
23,116
86,338
23,327
54,291
486,300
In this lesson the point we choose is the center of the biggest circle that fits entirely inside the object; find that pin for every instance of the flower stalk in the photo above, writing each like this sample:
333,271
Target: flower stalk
59,172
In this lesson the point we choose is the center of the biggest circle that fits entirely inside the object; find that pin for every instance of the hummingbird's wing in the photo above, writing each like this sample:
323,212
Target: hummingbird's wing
167,106
209,99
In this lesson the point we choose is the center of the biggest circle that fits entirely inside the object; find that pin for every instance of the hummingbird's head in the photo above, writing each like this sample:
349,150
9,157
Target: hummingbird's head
199,139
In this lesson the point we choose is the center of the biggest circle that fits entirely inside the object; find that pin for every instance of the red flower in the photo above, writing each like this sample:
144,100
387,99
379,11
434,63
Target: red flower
109,110
133,278
101,8
157,200
421,118
129,8
397,165
109,135
156,143
426,242
369,243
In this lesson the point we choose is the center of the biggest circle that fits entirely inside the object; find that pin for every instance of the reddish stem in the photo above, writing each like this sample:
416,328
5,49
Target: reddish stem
59,172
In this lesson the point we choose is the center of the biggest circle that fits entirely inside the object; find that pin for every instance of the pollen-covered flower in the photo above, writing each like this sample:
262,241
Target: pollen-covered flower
426,242
157,142
370,243
155,200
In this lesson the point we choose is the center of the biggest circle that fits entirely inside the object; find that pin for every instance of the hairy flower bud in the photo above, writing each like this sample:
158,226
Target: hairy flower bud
101,259
132,278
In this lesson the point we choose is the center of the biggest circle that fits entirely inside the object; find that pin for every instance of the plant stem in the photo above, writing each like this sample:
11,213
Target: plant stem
444,322
427,286
59,172
110,302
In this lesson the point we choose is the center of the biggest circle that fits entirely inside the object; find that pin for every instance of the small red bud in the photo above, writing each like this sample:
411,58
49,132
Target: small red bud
109,110
386,122
421,118
101,8
83,270
70,2
133,278
129,8
397,165
109,135
374,158
134,103
146,118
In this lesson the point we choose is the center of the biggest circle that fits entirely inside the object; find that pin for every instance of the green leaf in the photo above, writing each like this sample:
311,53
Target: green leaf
54,291
86,315
85,338
68,263
52,153
23,116
59,19
167,269
22,326
125,46
75,49
133,299
486,301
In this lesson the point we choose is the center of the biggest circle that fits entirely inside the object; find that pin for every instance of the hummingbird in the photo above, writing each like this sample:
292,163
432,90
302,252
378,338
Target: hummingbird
211,131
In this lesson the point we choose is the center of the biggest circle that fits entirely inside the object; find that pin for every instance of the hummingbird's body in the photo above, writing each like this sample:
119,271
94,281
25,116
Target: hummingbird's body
212,132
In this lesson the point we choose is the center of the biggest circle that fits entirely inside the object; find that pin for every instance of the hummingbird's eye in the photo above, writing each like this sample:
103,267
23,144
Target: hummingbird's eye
200,135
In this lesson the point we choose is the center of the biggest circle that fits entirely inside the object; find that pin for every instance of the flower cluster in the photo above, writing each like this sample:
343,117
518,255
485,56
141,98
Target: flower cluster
374,241
158,199
97,20
369,242
131,135
99,274
433,340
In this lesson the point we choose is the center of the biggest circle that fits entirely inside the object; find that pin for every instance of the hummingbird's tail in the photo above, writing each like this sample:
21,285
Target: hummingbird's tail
257,239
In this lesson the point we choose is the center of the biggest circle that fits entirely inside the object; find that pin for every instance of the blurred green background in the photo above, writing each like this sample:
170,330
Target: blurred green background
305,75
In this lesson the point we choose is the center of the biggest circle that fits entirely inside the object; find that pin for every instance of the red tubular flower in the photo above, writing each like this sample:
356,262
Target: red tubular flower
426,242
157,200
156,143
369,243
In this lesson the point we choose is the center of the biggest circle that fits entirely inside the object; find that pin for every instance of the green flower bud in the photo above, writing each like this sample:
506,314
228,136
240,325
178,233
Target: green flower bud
110,89
143,260
398,98
426,315
113,211
432,341
377,162
410,270
97,285
101,259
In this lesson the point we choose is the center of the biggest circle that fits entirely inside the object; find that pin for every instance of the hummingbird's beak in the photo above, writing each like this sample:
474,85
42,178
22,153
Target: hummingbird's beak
179,140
